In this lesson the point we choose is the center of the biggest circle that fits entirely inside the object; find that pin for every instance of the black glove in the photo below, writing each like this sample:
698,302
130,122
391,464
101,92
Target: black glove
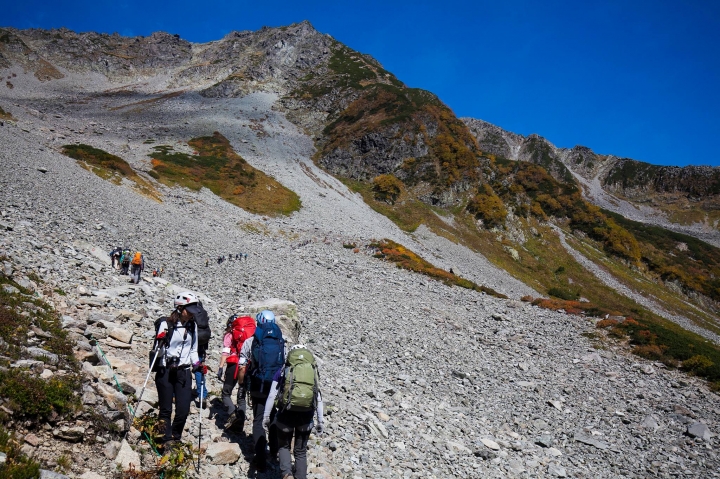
199,367
220,374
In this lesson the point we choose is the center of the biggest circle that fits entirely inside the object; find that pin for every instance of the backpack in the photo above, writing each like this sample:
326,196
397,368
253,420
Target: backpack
151,354
242,329
202,320
268,355
137,259
126,256
300,384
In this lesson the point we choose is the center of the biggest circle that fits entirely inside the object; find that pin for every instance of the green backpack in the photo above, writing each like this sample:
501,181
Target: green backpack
301,381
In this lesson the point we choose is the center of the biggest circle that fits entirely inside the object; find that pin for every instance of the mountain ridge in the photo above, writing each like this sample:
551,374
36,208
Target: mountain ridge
392,185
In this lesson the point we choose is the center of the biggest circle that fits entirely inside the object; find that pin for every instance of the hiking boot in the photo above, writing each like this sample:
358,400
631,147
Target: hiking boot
260,464
288,476
235,419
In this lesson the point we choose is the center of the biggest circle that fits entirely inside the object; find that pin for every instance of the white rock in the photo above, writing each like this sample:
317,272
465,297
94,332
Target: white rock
126,456
223,452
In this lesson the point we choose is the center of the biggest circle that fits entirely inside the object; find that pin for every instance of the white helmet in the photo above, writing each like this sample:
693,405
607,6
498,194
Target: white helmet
183,299
298,346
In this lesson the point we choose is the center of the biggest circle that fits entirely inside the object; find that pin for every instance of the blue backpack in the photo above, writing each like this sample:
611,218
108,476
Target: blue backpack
268,355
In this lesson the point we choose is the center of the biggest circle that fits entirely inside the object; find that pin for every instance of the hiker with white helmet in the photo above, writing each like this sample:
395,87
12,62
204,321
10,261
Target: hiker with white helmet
299,403
264,353
179,358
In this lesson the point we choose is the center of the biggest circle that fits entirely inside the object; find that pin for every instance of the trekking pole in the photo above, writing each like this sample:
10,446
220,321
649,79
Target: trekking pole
132,419
202,390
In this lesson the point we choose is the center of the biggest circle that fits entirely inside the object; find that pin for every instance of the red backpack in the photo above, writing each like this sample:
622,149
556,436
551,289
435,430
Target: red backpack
242,328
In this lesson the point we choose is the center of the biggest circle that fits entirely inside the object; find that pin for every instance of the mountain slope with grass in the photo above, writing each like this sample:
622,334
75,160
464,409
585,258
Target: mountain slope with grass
380,216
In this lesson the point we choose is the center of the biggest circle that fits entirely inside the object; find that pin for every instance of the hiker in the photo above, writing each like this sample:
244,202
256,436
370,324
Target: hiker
264,353
202,320
138,265
115,257
300,401
237,331
125,260
155,273
173,379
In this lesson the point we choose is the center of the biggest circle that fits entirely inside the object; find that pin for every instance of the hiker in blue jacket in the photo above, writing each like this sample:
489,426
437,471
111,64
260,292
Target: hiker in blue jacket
264,353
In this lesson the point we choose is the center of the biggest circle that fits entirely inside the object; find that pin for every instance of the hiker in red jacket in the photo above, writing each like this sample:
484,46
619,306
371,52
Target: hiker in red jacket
238,329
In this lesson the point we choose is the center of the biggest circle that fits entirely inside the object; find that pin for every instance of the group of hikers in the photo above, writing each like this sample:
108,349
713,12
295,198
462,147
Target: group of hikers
129,262
132,263
223,258
282,381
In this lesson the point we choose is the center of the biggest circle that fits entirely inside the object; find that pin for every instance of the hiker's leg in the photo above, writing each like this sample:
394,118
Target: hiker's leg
273,435
242,398
284,436
228,386
200,379
259,439
183,390
165,399
302,434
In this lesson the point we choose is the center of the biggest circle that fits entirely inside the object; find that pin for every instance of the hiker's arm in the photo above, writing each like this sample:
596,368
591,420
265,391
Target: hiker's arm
194,358
269,405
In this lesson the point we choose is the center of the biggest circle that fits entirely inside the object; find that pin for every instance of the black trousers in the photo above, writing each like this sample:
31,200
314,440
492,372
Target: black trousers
297,425
259,439
176,385
228,386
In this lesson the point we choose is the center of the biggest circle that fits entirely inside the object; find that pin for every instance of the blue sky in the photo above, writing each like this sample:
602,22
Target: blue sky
636,79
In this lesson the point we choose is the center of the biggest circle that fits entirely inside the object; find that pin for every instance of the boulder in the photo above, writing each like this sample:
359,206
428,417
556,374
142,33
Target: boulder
70,434
286,315
223,452
44,474
115,399
121,334
700,430
111,449
91,475
126,456
94,301
47,356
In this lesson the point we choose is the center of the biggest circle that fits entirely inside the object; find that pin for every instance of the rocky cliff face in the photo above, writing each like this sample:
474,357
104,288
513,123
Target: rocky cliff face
667,190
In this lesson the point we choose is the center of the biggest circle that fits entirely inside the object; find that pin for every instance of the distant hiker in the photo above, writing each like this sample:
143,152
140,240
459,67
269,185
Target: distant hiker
115,257
207,261
237,331
245,256
173,379
264,353
300,401
219,260
451,271
155,273
138,265
125,260
194,307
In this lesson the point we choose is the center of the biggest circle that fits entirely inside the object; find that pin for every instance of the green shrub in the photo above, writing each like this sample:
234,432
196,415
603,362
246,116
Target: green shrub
387,188
33,396
563,293
17,465
487,206
698,364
